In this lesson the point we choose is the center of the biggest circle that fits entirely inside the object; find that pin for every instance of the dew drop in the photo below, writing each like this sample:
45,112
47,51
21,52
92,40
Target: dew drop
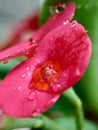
51,38
5,61
19,87
38,61
57,87
78,73
36,49
74,24
23,75
8,55
51,102
32,85
27,52
32,41
27,68
35,113
65,22
83,38
60,7
19,51
32,95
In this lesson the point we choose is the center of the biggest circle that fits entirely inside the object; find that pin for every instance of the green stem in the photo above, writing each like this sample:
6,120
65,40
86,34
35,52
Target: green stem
13,123
77,104
50,124
36,122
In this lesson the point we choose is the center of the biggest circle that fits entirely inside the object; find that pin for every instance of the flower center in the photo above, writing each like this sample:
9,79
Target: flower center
46,74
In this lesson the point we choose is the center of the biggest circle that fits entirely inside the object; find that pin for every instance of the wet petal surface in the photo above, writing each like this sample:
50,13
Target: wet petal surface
56,20
26,49
18,99
70,46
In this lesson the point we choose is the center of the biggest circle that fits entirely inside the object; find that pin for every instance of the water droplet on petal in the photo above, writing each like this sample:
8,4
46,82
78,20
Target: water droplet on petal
51,38
31,85
32,41
57,87
78,73
19,51
51,102
74,24
36,50
32,95
27,68
83,38
27,52
38,61
8,55
65,22
60,7
23,75
35,113
19,87
5,61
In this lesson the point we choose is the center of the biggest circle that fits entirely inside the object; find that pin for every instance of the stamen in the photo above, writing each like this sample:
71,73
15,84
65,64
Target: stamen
46,74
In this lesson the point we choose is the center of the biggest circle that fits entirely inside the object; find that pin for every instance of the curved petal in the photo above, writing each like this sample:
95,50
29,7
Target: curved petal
17,99
26,49
70,47
56,20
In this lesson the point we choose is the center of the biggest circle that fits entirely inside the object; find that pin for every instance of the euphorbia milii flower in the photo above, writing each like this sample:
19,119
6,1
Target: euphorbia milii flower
57,57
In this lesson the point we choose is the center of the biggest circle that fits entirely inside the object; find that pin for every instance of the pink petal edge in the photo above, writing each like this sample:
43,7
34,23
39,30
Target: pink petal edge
26,49
55,20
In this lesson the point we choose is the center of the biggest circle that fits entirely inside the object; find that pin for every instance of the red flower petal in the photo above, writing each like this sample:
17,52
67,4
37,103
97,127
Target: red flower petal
18,99
26,49
70,46
55,20
65,58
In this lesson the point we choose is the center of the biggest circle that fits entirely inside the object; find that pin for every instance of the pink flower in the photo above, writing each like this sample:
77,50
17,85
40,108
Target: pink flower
57,57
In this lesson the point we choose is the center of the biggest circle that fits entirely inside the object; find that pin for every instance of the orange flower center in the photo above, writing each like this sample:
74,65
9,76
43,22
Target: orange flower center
46,74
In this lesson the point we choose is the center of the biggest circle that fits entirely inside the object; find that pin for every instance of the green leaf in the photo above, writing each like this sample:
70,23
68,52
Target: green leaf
87,15
5,68
69,123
